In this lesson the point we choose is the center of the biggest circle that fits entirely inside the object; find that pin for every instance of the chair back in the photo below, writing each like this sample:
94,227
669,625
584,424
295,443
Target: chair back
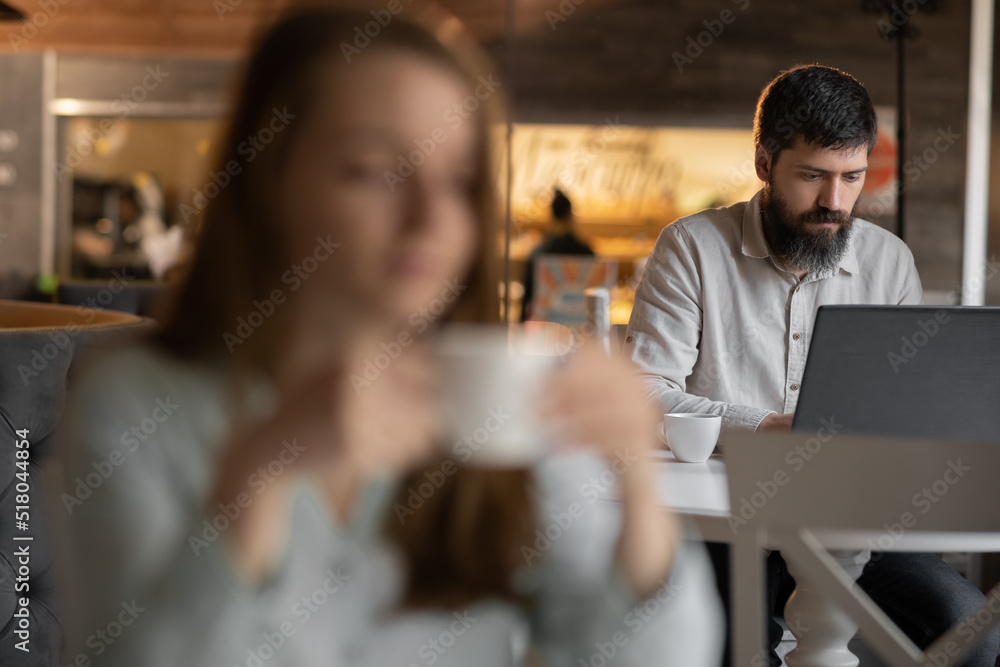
560,282
825,480
139,297
40,346
808,493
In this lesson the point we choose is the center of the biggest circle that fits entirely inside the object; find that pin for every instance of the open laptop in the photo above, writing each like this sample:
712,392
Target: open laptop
906,371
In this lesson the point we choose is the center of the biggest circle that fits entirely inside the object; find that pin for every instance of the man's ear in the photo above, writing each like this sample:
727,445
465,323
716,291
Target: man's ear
762,163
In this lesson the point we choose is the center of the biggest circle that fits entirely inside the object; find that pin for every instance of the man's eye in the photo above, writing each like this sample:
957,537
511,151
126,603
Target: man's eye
853,178
810,177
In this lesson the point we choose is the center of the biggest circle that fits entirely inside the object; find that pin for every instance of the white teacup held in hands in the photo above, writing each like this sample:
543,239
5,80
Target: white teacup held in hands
492,376
691,436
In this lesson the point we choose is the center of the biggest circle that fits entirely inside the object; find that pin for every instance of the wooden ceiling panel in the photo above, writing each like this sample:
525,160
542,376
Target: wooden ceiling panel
192,27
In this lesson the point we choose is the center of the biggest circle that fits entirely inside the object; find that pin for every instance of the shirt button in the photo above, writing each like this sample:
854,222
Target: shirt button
794,387
796,336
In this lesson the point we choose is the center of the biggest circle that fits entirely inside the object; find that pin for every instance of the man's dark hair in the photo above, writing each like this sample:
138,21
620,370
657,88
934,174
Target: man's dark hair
562,208
823,105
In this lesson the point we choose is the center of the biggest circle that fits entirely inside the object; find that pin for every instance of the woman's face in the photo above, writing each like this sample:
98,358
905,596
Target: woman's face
383,166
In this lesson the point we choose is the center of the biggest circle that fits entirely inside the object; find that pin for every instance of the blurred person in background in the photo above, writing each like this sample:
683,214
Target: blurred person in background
559,240
247,519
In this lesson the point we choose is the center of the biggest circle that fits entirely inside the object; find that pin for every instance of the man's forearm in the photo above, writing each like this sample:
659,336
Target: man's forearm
672,398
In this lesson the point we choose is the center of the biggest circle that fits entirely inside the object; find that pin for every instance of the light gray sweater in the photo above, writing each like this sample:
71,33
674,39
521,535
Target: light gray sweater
148,580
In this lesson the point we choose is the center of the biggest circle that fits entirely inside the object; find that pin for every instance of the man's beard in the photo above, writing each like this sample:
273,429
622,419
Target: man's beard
794,244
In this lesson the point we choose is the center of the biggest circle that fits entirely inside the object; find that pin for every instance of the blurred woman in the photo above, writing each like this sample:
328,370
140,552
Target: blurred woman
258,449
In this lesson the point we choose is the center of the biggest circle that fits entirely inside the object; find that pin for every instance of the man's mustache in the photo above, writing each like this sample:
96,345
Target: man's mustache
825,215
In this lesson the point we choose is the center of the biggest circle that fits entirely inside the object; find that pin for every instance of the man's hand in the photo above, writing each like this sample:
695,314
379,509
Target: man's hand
776,422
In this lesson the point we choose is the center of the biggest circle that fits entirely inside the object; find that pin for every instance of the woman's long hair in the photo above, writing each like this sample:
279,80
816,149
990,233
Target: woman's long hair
464,542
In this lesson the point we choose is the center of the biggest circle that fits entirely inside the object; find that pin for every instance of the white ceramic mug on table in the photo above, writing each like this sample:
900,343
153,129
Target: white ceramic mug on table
691,436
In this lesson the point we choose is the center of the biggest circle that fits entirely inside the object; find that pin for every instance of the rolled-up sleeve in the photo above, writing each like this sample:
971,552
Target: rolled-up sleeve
665,329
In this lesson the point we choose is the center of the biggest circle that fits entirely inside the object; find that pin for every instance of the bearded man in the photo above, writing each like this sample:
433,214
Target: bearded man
724,312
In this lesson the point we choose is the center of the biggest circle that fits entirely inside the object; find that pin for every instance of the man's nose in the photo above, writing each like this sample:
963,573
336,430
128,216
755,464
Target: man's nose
830,195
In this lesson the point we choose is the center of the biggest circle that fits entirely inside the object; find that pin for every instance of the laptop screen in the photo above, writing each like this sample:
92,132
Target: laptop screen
906,371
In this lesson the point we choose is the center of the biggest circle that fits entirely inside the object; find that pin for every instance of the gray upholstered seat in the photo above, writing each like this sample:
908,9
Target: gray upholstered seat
40,345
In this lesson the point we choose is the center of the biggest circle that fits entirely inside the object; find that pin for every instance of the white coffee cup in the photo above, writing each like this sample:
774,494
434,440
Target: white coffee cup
492,376
691,436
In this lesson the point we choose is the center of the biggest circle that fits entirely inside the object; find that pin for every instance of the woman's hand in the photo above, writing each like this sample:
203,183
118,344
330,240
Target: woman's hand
336,428
391,423
600,402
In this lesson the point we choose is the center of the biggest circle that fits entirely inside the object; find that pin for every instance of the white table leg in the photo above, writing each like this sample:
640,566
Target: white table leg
822,631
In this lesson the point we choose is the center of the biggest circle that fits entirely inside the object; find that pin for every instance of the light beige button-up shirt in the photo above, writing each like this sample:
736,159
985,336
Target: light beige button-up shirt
719,326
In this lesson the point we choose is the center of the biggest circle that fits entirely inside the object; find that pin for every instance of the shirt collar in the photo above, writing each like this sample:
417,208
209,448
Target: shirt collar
755,245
